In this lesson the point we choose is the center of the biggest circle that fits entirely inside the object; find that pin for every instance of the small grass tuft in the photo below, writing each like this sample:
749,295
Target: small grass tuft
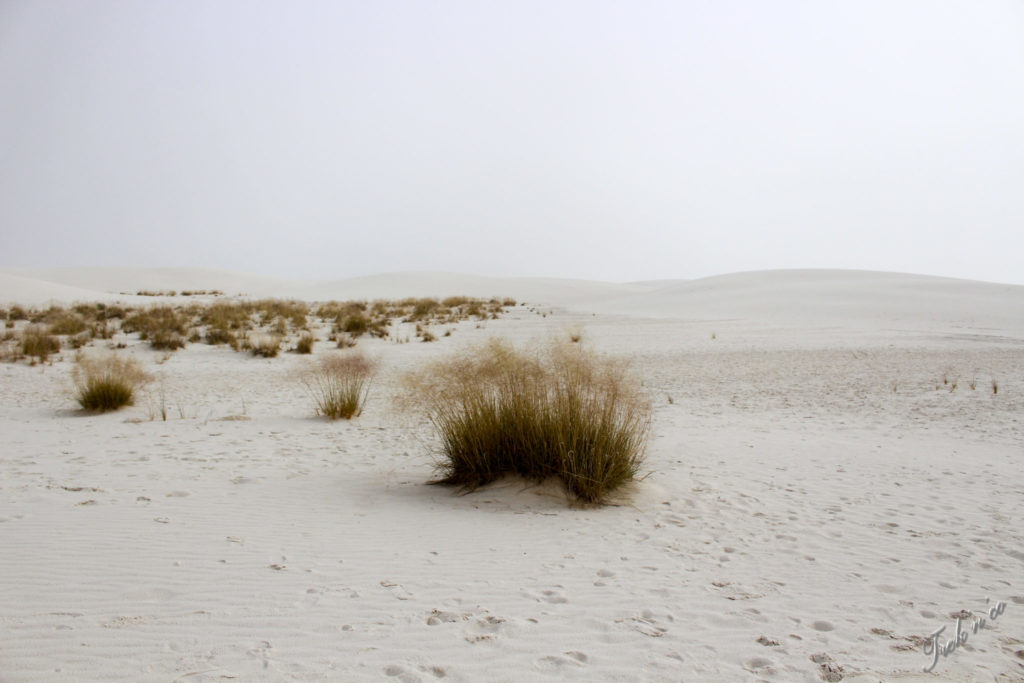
305,343
339,385
36,343
67,323
106,383
265,345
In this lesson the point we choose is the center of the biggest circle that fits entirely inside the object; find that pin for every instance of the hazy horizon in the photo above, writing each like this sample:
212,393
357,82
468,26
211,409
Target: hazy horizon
600,141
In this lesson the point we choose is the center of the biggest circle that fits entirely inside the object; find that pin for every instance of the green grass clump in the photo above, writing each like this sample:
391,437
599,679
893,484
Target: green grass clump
106,383
562,412
339,385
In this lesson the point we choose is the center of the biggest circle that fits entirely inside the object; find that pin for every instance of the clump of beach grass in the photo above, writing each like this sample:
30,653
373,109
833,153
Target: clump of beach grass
108,382
339,384
560,411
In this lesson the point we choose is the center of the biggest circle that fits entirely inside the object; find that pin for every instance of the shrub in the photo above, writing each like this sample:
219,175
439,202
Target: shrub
37,343
564,412
106,383
339,385
17,313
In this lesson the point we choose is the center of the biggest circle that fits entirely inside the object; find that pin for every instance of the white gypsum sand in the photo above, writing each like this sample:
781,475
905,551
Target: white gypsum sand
820,498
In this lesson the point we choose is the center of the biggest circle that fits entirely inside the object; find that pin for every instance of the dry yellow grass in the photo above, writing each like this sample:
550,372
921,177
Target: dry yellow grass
560,411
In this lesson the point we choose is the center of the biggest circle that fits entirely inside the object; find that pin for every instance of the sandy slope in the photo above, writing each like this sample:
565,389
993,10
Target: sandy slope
833,296
820,499
66,285
117,280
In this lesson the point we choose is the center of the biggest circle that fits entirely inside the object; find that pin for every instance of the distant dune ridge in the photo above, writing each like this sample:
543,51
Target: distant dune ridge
775,295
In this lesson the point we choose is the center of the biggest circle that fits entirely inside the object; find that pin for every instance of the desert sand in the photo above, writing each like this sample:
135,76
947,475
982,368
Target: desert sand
834,473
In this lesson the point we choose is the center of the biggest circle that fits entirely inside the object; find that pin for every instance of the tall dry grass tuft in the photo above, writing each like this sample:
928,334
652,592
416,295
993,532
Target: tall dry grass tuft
265,345
305,343
339,385
106,383
561,411
37,343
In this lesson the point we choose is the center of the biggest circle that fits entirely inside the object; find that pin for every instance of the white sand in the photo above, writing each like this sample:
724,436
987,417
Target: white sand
815,486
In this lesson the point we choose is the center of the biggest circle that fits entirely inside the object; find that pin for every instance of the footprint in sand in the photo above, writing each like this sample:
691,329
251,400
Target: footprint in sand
828,670
437,617
649,624
395,671
572,658
485,628
397,590
761,665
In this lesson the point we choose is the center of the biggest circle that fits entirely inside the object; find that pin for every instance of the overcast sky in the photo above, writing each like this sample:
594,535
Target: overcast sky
606,140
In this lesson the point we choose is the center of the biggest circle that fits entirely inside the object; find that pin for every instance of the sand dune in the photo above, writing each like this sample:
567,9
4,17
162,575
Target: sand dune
70,284
833,476
30,291
843,297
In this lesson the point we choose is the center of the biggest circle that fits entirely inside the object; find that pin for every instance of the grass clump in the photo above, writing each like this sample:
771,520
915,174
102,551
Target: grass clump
67,323
305,343
339,385
106,383
163,327
265,345
562,412
37,343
